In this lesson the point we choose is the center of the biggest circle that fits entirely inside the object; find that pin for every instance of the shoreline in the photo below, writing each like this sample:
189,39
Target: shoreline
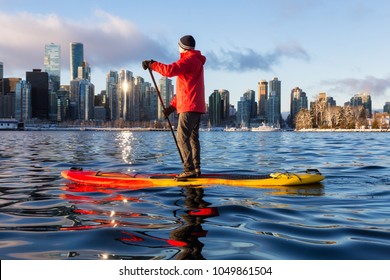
341,130
140,129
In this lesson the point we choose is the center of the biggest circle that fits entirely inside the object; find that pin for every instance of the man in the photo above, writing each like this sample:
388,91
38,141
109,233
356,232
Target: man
189,101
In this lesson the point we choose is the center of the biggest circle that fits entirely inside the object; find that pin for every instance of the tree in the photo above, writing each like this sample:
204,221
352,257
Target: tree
303,119
361,117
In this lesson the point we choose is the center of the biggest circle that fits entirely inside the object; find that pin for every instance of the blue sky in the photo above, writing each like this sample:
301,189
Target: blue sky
337,47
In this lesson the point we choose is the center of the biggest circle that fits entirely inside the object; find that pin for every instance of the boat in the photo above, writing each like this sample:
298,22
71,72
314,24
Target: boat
264,127
138,181
11,124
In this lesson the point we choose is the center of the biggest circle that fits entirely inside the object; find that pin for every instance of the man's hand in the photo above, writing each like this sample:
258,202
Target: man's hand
147,63
168,111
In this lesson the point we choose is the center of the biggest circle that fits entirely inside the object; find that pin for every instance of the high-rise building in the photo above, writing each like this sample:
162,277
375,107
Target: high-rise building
166,90
63,105
76,58
112,95
125,89
52,66
39,82
137,110
7,98
1,77
386,108
150,101
262,88
362,99
215,108
250,95
1,70
298,101
84,71
225,99
82,98
23,101
244,107
274,115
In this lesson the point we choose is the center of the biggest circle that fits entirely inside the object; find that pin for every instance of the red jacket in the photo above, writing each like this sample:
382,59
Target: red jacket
190,96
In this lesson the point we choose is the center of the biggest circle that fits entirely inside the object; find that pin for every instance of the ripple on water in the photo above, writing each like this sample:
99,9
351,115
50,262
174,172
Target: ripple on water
42,216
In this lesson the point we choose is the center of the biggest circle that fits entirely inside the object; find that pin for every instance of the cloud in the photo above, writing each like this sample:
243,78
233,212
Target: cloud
109,41
112,42
370,84
248,59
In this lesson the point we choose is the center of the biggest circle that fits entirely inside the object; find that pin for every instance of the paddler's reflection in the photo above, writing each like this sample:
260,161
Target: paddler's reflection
197,211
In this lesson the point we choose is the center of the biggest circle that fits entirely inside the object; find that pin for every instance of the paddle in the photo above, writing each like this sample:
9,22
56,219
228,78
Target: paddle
163,107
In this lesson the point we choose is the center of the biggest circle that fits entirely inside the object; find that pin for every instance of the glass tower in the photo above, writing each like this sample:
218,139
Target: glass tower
76,59
1,70
52,65
274,102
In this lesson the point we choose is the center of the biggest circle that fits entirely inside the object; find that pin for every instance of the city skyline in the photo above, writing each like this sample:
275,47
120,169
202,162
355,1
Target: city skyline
331,47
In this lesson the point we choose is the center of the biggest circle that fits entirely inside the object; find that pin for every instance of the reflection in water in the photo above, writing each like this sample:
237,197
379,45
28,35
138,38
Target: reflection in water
193,218
185,237
126,141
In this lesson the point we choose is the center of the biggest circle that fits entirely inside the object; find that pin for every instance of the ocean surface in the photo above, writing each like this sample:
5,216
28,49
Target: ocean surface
43,216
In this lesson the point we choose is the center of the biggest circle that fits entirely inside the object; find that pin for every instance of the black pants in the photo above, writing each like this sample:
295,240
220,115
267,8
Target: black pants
188,139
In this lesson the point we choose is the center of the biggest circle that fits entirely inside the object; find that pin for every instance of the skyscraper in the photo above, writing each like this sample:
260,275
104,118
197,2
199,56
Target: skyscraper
39,82
52,65
215,107
250,95
298,101
1,77
76,58
23,101
225,99
166,91
262,99
274,102
125,88
1,70
363,99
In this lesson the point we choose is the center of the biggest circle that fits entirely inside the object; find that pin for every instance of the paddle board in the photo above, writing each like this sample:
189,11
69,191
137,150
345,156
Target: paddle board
117,179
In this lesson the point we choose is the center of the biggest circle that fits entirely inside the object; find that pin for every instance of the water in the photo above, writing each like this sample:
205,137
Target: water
43,216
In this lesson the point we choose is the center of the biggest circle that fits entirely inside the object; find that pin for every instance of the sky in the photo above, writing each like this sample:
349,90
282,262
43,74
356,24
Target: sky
338,47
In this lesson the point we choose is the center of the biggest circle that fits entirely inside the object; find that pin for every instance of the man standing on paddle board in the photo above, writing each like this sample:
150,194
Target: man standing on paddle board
189,101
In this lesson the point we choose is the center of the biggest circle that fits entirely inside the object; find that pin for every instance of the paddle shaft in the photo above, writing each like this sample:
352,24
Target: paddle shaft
163,107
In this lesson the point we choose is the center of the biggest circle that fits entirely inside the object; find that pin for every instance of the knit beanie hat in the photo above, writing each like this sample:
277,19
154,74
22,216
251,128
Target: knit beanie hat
187,42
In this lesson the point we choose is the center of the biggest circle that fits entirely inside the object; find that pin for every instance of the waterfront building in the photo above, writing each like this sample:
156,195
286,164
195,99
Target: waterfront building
112,95
244,107
82,97
166,90
262,100
386,108
1,77
215,108
362,99
225,103
274,115
7,98
76,58
63,105
138,98
23,108
39,82
250,95
298,101
84,71
52,66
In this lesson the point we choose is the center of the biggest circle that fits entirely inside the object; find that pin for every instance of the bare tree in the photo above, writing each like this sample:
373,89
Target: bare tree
303,119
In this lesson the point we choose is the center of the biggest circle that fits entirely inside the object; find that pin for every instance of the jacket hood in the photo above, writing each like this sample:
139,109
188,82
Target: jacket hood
196,53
